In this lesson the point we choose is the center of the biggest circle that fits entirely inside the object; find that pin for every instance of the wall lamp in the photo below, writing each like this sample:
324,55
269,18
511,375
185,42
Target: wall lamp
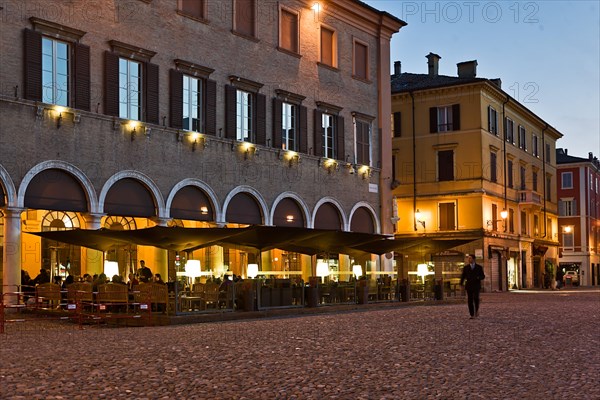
249,149
493,222
350,168
568,229
419,218
292,158
316,7
329,164
197,140
365,171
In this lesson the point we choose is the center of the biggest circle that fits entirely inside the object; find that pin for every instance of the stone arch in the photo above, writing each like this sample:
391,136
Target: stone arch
336,205
86,184
8,187
144,180
197,184
299,201
371,211
262,204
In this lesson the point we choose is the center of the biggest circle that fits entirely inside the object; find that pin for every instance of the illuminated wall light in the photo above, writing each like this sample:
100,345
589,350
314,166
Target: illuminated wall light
252,271
204,210
567,229
289,218
58,110
503,214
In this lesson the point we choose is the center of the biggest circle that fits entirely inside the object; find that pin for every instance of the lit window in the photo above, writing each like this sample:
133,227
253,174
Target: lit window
55,72
289,121
327,123
192,104
244,120
130,90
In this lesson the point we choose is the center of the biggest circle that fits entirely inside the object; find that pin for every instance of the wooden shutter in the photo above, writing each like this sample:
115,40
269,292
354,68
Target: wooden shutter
194,8
445,165
111,84
359,142
244,17
277,129
326,46
319,132
82,77
32,88
303,130
176,100
230,111
360,60
397,124
433,120
446,213
456,117
339,138
261,119
152,93
211,107
490,119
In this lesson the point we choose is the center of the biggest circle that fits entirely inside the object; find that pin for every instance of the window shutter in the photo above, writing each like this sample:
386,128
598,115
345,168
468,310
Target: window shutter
490,119
111,84
211,107
456,117
33,65
261,119
303,129
82,77
505,127
230,111
340,152
152,93
445,165
397,124
433,121
319,132
574,207
176,103
277,129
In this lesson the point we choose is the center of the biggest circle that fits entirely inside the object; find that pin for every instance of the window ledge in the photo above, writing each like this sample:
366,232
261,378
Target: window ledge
245,36
58,30
289,52
365,80
194,17
332,68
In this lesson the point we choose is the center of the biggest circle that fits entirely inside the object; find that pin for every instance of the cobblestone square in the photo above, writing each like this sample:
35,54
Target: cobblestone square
529,345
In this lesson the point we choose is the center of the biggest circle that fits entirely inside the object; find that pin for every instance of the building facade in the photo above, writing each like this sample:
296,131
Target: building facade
474,172
130,114
578,181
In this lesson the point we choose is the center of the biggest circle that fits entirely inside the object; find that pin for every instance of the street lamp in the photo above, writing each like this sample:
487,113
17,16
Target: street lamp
419,218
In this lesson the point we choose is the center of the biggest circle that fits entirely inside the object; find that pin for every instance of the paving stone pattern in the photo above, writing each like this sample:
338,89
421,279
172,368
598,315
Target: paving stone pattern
524,345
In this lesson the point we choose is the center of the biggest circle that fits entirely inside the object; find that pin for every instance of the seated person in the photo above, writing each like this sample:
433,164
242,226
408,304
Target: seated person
158,279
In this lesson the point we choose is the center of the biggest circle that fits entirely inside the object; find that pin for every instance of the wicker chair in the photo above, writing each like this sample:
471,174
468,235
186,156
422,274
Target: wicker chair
113,295
80,292
211,295
156,294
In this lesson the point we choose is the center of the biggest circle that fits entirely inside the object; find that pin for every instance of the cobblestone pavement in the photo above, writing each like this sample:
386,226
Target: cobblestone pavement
527,345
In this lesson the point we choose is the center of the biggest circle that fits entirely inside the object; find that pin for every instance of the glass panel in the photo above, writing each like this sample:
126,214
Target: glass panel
46,46
61,50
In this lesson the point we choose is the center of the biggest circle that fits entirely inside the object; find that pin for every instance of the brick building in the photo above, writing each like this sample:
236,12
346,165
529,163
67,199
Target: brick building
131,114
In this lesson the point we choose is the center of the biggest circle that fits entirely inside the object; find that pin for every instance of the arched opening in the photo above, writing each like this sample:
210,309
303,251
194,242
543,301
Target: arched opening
129,197
362,221
55,189
60,259
191,203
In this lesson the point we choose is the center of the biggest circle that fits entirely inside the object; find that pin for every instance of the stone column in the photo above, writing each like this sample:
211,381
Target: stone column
11,258
93,259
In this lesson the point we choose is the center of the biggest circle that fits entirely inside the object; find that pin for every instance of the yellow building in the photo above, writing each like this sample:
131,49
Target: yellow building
474,171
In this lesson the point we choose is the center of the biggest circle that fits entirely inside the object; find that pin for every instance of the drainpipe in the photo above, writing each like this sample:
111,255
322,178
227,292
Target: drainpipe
414,151
544,174
504,151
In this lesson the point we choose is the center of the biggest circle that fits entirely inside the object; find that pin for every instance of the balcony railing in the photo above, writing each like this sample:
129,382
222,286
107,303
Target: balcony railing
529,197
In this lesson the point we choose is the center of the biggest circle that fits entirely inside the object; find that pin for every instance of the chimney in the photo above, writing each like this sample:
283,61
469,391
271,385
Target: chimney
497,82
467,69
397,68
433,63
591,155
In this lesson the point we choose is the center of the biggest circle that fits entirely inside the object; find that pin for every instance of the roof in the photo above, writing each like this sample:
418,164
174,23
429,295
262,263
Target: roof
398,20
406,82
563,158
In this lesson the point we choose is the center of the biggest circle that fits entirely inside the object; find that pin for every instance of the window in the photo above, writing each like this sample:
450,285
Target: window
444,119
510,174
361,61
288,31
329,138
511,220
522,139
509,133
495,219
493,167
192,104
57,66
534,146
447,215
567,208
523,222
131,83
549,188
534,180
327,123
193,98
445,165
245,111
397,124
536,225
363,142
130,89
289,123
568,239
492,121
566,179
55,72
523,176
548,153
244,120
192,8
328,47
245,17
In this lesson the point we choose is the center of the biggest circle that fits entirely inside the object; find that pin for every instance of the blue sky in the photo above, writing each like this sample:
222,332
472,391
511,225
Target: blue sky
547,54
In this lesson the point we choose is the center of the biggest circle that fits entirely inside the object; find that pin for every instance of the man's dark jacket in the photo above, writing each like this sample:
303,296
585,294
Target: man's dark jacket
472,276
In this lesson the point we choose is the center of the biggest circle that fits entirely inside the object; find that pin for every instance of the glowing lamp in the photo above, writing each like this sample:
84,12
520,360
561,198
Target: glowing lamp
357,270
111,268
252,271
192,268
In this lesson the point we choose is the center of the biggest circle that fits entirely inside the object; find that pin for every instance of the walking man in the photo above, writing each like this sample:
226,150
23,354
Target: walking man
473,274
